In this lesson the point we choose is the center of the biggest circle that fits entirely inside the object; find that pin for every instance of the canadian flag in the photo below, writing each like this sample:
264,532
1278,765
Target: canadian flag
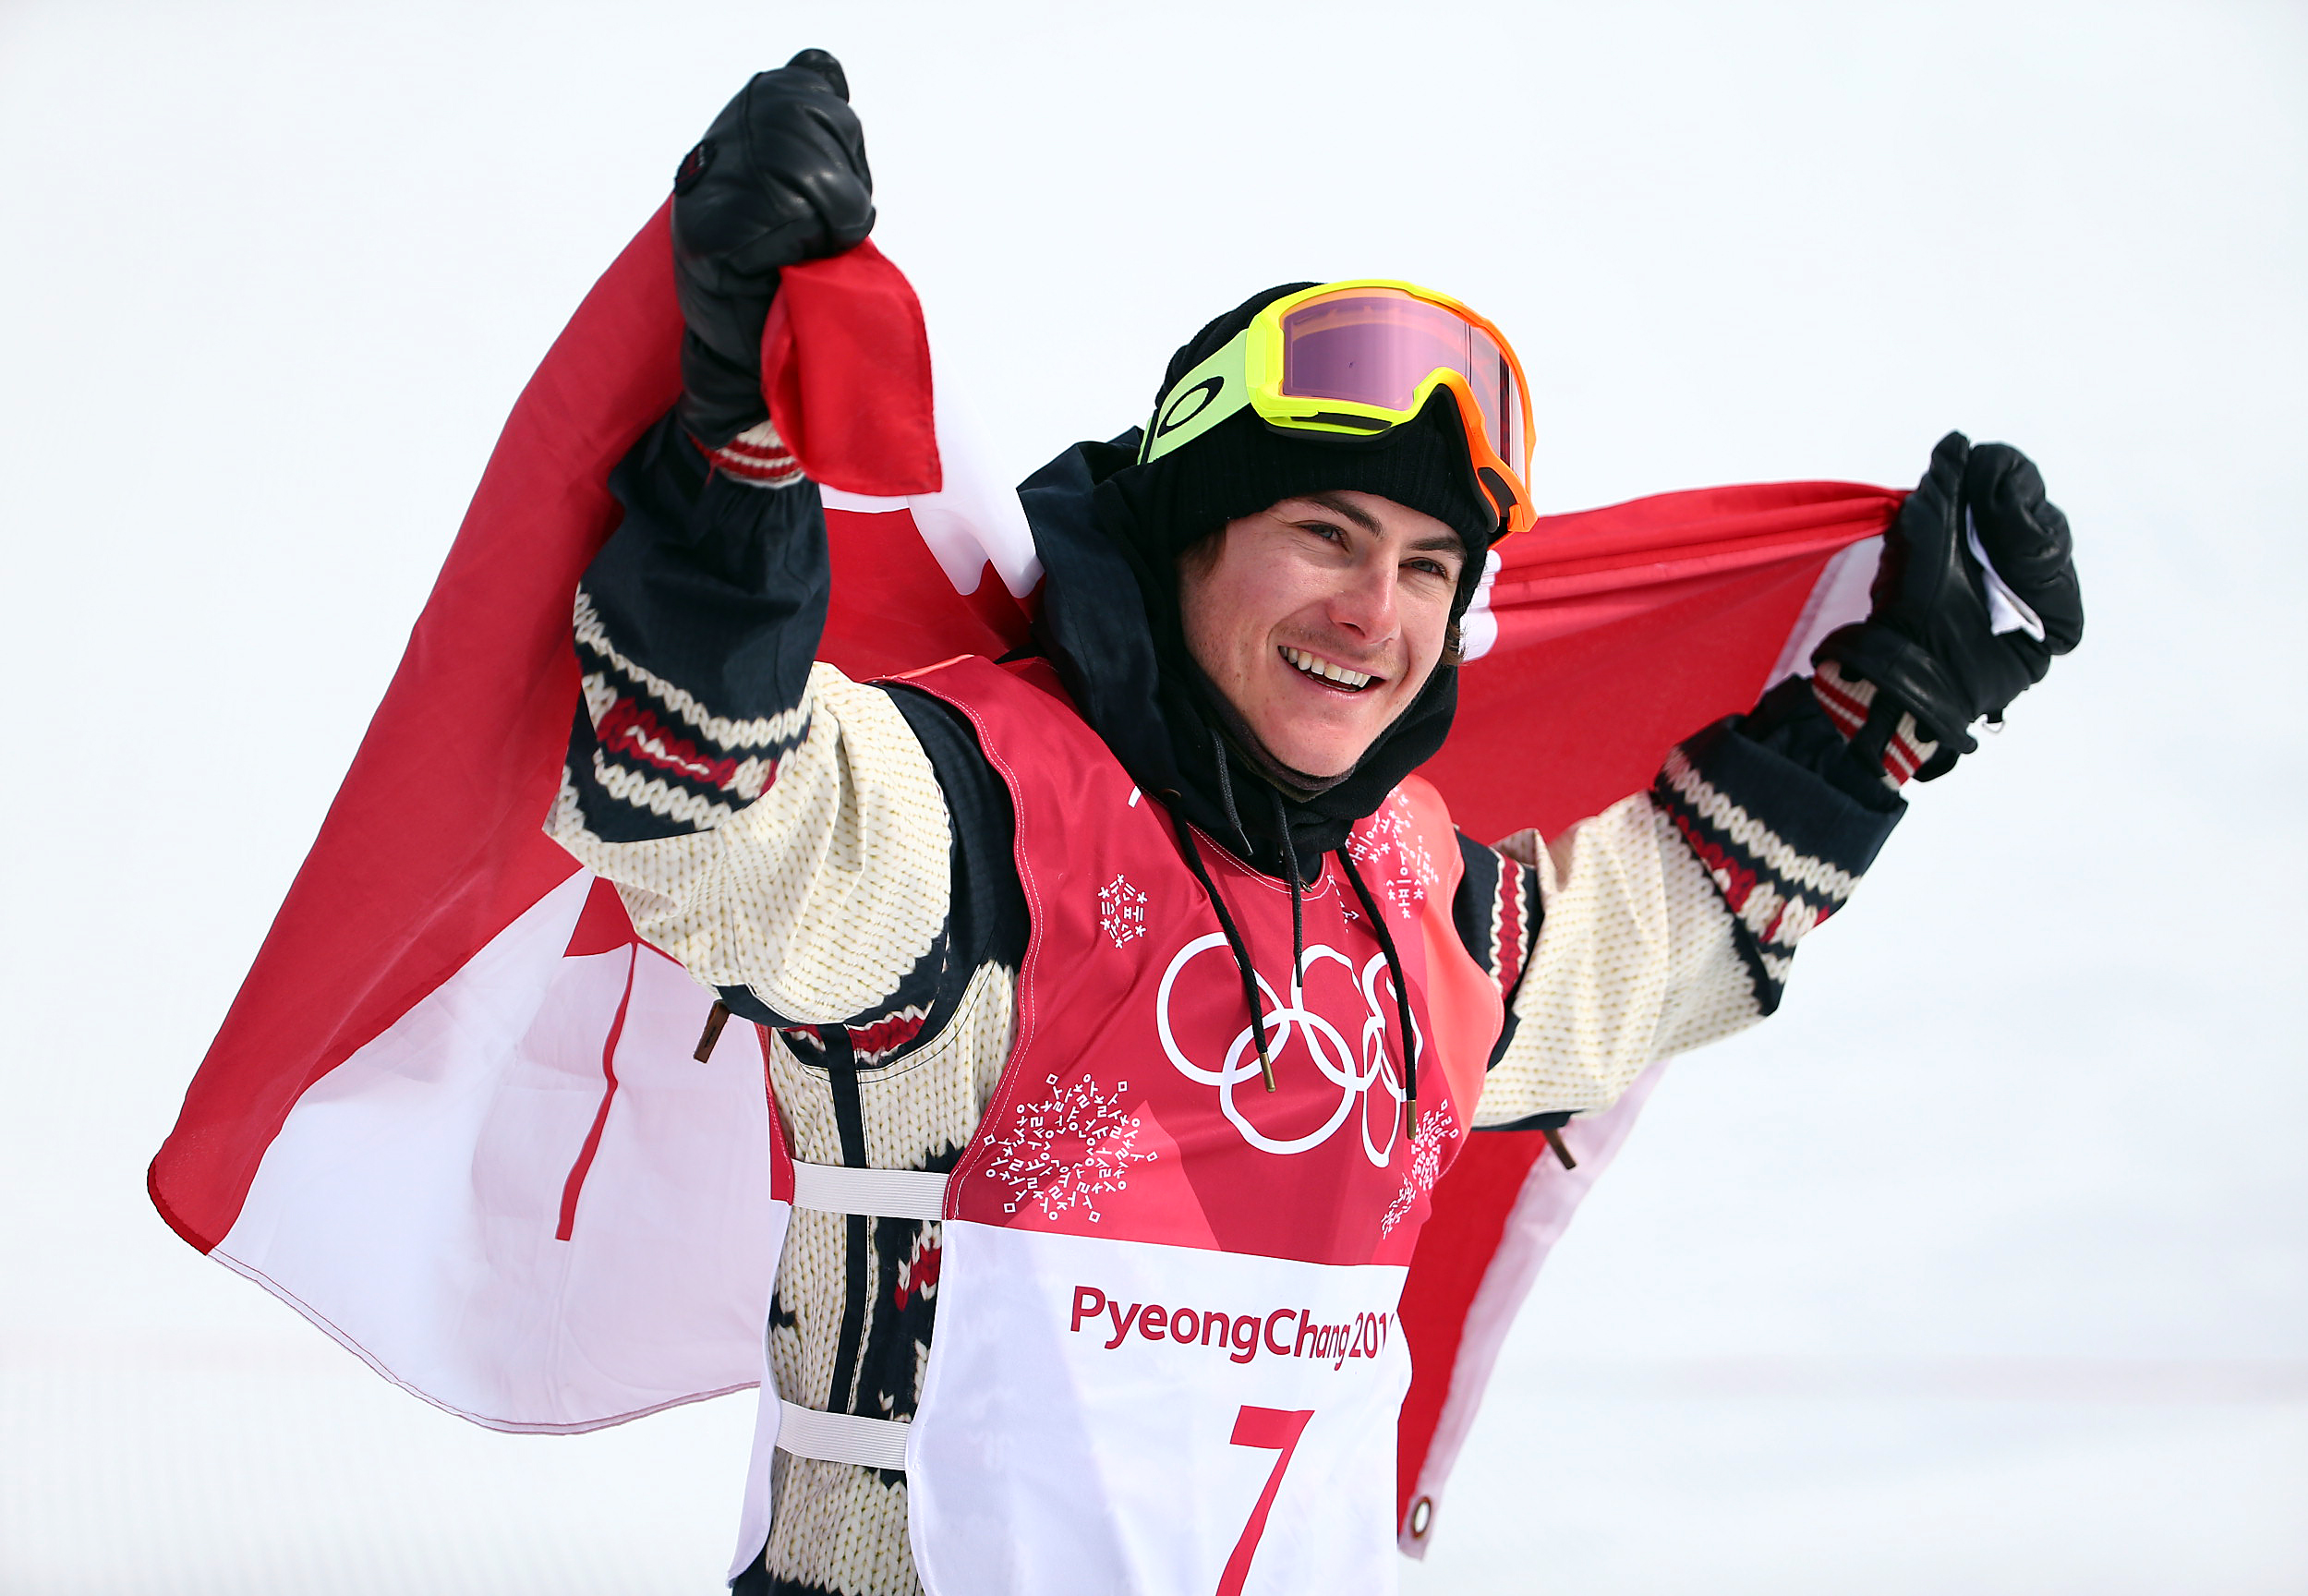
454,1115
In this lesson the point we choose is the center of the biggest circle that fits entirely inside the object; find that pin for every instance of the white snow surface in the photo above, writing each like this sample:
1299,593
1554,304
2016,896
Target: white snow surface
1983,1268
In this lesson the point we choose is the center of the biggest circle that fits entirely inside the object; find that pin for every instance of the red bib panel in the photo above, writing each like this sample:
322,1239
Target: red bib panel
1167,1358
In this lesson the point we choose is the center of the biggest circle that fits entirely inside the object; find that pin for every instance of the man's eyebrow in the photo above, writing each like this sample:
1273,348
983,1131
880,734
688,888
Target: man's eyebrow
1339,505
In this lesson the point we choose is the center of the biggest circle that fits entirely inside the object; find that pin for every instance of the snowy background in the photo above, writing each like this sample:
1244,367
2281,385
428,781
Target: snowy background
1984,1267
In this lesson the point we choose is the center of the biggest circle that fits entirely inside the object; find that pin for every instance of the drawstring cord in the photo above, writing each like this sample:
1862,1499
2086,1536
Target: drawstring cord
1298,897
1298,932
1234,942
1226,791
1402,991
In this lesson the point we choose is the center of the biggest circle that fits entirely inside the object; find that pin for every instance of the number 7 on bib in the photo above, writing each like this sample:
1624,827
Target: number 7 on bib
1279,1431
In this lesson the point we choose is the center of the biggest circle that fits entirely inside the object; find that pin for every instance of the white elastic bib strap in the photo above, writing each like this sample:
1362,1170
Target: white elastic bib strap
880,1194
841,1437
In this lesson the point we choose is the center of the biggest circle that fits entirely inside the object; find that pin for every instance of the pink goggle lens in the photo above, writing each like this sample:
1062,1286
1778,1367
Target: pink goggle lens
1375,346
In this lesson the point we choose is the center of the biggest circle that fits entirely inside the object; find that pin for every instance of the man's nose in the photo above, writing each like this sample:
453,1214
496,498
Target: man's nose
1364,601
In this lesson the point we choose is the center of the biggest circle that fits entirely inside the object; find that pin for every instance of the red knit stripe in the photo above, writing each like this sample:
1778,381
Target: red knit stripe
1901,756
1847,710
1508,957
737,448
756,464
768,465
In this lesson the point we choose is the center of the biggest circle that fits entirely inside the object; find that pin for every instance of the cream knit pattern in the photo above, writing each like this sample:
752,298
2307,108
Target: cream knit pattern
818,897
1634,962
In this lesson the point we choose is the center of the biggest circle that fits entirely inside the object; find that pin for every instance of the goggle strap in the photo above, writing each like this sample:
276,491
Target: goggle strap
1200,400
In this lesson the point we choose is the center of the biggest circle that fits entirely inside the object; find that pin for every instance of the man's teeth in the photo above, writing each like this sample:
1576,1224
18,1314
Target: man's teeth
1324,667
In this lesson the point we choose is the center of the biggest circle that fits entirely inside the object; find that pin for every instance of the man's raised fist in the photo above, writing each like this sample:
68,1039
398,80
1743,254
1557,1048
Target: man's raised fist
1977,594
780,177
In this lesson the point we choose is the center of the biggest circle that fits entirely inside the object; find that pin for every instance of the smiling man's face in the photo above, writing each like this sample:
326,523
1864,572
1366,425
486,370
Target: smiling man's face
1320,618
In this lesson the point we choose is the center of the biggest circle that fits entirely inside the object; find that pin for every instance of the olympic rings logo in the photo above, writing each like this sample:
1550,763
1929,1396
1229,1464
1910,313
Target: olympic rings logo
1363,1071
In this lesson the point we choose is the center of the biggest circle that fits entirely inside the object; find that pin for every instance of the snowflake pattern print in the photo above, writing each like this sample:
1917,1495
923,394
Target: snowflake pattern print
1121,910
1410,873
1069,1150
1437,1129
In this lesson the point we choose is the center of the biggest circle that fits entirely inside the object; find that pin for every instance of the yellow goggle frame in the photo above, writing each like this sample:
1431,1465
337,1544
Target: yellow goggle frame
1255,371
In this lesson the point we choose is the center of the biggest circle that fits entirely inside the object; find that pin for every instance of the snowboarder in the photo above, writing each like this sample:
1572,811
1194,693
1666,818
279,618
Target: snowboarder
1129,999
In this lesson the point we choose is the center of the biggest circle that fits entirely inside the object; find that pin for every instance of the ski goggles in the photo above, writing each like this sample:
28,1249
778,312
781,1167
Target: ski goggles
1360,358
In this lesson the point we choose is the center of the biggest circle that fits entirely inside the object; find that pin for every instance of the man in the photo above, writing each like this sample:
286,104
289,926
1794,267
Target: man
1130,999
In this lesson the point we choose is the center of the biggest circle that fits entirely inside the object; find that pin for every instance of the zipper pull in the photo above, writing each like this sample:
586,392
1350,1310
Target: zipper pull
719,1017
1554,1142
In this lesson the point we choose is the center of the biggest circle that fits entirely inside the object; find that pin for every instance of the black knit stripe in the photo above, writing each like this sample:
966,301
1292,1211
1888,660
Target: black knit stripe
850,1120
1553,1120
1496,913
1474,912
694,629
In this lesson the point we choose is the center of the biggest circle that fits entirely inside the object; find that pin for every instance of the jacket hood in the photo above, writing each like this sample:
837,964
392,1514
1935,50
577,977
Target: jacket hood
1109,623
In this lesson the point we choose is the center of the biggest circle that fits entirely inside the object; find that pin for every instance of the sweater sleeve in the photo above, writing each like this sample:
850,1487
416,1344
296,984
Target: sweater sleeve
772,825
1671,919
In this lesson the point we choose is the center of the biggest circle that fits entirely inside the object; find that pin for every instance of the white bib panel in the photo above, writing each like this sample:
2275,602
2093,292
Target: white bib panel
1245,1445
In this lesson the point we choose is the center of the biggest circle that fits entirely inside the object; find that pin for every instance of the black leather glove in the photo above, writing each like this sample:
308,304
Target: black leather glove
780,177
1930,644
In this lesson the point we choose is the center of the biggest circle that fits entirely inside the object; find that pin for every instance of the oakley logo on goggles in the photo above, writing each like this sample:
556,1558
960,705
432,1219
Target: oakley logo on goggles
1356,359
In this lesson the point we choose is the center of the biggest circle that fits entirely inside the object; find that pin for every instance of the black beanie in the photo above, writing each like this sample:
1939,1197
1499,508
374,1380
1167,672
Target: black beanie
1242,466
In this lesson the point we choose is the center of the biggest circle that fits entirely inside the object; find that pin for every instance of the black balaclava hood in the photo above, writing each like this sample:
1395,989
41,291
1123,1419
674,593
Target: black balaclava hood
1109,532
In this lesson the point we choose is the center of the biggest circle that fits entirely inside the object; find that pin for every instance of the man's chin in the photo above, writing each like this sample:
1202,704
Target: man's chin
1325,760
1314,746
